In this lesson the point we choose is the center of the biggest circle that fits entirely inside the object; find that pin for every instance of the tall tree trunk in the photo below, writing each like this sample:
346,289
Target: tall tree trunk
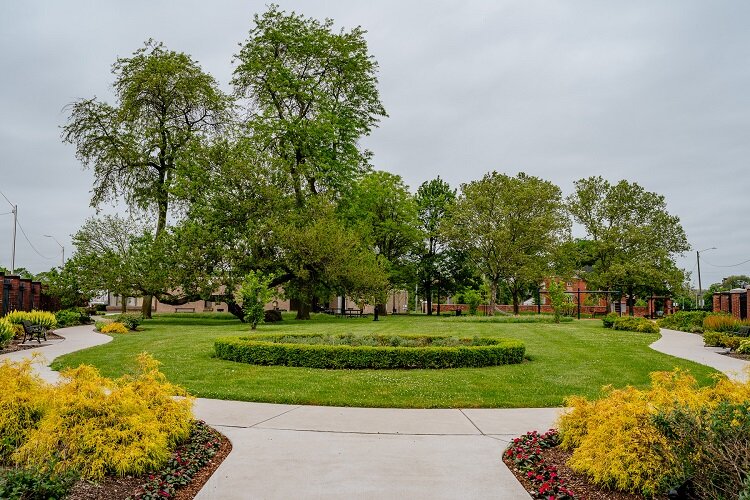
631,302
493,294
123,305
236,310
514,293
428,293
305,303
438,300
146,306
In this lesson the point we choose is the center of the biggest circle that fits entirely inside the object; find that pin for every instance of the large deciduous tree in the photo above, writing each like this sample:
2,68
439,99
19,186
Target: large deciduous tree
511,227
142,147
311,95
634,239
434,198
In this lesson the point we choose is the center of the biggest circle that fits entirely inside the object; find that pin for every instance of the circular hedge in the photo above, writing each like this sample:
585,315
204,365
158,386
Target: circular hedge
373,351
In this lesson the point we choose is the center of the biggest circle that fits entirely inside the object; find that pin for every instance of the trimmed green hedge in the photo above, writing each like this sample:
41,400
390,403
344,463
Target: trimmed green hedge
279,350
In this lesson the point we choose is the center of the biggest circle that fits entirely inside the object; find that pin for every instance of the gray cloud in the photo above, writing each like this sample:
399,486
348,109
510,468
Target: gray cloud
653,92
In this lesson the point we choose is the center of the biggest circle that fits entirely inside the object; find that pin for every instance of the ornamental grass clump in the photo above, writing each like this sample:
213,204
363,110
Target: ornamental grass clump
44,318
625,441
722,323
93,426
7,332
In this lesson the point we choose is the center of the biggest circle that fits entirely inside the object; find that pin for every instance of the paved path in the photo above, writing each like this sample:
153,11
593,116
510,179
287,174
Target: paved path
690,346
288,451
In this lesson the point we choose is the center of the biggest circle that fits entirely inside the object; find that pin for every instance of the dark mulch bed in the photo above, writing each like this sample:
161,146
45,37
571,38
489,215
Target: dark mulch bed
578,483
16,345
120,488
731,354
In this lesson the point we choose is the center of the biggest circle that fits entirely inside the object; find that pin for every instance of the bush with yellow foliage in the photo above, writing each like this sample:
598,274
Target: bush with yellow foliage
637,440
35,317
91,424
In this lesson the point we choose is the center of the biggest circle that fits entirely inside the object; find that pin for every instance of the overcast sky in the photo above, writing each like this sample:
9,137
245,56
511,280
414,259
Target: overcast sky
653,92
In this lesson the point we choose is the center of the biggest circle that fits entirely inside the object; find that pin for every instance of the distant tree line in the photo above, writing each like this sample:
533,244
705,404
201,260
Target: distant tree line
272,179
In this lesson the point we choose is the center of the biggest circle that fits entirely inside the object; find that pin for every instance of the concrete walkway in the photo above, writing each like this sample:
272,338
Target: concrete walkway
290,451
690,346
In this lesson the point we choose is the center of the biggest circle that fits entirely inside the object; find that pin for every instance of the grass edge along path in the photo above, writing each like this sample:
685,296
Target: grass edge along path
564,359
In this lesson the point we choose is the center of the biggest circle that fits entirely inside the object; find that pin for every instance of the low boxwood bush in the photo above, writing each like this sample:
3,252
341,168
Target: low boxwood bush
684,321
377,352
72,317
633,324
609,320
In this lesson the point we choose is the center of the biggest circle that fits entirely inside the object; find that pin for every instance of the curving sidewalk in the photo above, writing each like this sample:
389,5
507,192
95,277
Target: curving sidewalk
690,346
292,451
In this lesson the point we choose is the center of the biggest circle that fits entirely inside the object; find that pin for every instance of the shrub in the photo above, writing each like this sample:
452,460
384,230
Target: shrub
131,321
113,327
472,298
617,441
23,401
609,320
557,297
380,354
712,445
685,321
252,295
721,323
528,318
718,339
27,484
44,318
7,332
633,324
96,426
744,347
71,317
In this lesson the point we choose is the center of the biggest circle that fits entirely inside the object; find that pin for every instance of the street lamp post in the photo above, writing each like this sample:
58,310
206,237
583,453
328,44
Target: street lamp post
700,286
60,245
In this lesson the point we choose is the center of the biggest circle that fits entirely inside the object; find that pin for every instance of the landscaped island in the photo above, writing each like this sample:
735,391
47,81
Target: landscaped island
370,351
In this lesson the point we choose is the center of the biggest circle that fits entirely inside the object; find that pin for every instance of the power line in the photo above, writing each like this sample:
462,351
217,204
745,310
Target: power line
31,244
731,265
6,199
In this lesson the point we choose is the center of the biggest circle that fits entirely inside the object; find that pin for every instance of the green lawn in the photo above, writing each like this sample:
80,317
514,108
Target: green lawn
564,359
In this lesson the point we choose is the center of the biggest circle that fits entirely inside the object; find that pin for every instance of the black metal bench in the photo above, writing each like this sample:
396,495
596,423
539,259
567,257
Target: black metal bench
743,331
31,332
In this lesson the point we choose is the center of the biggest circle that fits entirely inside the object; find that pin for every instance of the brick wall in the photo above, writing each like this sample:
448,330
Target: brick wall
36,295
28,294
13,293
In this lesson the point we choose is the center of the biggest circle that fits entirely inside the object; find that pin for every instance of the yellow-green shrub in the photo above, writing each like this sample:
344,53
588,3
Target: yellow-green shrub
97,426
722,323
614,439
23,401
7,332
113,327
44,318
744,347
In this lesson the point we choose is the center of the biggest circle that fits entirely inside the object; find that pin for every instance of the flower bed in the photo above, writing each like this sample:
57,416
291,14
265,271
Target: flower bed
375,351
524,455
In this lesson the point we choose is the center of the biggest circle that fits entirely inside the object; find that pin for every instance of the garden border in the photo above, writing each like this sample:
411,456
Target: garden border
260,350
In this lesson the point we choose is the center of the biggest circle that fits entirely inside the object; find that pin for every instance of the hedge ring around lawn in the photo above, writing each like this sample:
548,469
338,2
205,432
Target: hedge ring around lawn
337,351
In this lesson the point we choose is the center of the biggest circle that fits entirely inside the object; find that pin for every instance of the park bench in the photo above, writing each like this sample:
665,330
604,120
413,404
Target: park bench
353,313
31,332
743,331
184,309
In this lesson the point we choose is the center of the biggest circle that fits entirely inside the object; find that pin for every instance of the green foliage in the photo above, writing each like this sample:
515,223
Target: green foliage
71,317
268,350
712,445
557,298
744,347
253,294
609,320
633,324
634,238
510,227
472,298
720,339
685,321
131,321
35,484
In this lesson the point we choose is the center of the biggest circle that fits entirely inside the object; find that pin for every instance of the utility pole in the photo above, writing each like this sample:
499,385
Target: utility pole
13,255
700,287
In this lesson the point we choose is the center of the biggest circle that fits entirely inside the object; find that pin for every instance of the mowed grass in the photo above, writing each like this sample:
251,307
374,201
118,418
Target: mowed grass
565,359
